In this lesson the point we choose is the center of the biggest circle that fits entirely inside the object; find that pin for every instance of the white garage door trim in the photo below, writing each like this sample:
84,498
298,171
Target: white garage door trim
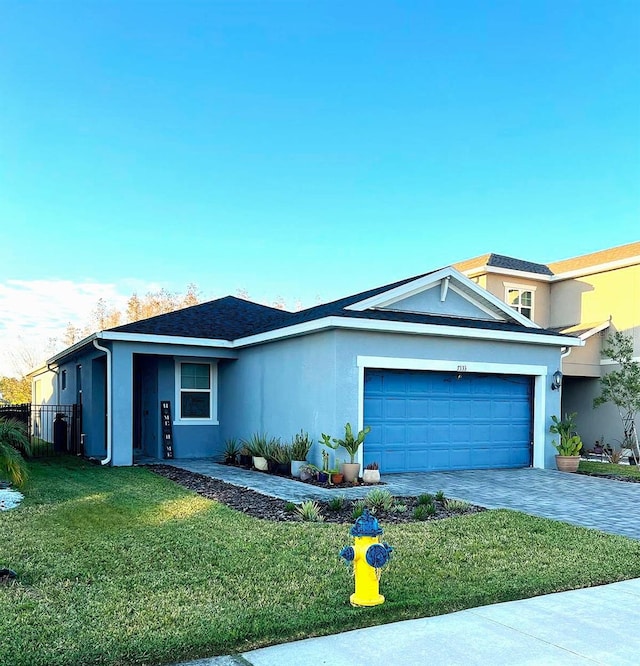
539,372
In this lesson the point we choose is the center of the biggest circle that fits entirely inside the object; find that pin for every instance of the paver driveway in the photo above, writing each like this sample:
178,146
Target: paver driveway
603,504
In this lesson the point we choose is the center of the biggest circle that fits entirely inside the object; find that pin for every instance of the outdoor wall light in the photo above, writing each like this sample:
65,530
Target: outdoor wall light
557,380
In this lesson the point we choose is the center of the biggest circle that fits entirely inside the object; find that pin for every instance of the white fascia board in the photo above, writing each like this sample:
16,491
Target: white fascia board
593,331
40,370
165,339
598,268
459,365
539,277
384,326
71,350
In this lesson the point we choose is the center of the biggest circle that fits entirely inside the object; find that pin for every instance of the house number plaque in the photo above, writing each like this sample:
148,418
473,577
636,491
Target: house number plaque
167,432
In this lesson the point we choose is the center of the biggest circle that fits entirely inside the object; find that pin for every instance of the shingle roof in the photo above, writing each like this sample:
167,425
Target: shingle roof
231,318
554,268
226,318
597,258
502,261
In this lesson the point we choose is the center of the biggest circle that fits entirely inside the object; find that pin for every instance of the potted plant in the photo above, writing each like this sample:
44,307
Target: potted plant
308,472
258,447
570,444
245,456
231,451
351,443
371,473
335,476
281,454
300,447
323,474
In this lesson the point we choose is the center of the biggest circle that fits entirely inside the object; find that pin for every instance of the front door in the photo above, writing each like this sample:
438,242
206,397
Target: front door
146,418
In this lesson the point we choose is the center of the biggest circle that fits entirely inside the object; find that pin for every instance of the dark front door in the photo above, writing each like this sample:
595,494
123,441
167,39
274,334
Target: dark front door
146,419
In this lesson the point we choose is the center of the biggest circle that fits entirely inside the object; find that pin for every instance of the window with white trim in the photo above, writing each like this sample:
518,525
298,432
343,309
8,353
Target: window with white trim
521,300
196,392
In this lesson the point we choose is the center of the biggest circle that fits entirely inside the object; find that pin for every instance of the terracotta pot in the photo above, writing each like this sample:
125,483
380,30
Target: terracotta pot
337,478
567,463
350,471
371,476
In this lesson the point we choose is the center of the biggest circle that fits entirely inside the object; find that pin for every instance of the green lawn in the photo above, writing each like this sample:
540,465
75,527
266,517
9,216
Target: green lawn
119,566
609,468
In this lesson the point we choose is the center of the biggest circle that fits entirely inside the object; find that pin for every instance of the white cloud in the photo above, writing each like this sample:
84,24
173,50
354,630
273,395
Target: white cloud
34,311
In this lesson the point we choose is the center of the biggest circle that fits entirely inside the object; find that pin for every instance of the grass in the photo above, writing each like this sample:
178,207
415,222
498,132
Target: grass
609,468
119,566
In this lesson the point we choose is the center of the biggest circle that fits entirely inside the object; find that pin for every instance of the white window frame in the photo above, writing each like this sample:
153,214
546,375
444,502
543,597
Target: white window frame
178,419
511,286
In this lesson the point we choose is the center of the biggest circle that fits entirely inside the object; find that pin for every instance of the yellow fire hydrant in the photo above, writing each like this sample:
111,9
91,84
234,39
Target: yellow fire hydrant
368,556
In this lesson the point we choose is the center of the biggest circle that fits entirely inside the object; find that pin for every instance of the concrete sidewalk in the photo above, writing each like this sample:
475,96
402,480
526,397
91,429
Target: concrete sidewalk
597,625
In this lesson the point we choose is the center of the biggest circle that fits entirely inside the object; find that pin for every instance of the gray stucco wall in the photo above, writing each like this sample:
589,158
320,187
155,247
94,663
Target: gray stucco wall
577,396
280,388
312,382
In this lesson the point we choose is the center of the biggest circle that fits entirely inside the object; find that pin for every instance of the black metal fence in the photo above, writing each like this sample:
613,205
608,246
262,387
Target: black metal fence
52,429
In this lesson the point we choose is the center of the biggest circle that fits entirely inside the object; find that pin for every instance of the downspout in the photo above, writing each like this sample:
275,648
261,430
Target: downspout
56,372
107,351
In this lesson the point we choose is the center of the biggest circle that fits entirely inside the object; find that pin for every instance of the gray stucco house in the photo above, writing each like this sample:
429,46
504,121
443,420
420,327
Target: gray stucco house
447,376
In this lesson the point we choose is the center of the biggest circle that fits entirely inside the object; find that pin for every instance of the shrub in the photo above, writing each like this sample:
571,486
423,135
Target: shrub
420,512
440,496
358,509
309,511
13,436
456,505
378,500
336,503
425,498
300,446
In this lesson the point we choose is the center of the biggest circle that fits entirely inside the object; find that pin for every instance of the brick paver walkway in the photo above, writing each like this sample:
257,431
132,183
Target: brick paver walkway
603,504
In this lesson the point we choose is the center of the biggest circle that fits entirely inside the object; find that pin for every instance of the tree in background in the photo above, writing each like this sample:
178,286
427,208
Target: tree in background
14,390
622,387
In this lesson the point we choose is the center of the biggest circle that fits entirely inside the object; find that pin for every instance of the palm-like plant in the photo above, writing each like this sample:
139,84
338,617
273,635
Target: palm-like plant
13,437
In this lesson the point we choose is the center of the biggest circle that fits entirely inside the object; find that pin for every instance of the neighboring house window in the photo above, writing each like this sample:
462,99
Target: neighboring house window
520,300
196,392
63,379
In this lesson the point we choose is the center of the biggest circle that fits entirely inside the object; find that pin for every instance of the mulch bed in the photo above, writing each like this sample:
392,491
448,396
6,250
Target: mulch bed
269,508
615,477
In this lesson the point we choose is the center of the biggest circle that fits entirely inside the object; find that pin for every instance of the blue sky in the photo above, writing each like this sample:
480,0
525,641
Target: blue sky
305,150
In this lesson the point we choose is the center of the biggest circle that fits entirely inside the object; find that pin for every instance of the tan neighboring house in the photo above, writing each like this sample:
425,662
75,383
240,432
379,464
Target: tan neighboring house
589,296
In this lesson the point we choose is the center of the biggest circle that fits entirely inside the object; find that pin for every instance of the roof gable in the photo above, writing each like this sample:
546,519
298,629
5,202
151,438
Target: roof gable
428,294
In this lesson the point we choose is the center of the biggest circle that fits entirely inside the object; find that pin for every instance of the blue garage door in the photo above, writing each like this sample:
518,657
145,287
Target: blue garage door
426,421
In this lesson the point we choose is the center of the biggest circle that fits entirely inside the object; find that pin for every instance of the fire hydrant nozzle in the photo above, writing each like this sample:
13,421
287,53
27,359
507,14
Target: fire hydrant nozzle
368,556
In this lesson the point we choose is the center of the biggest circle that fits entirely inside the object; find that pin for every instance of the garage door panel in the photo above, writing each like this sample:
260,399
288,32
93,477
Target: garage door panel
373,407
395,408
439,408
433,421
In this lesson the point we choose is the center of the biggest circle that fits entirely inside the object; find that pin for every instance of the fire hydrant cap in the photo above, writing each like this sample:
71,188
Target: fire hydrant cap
366,525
